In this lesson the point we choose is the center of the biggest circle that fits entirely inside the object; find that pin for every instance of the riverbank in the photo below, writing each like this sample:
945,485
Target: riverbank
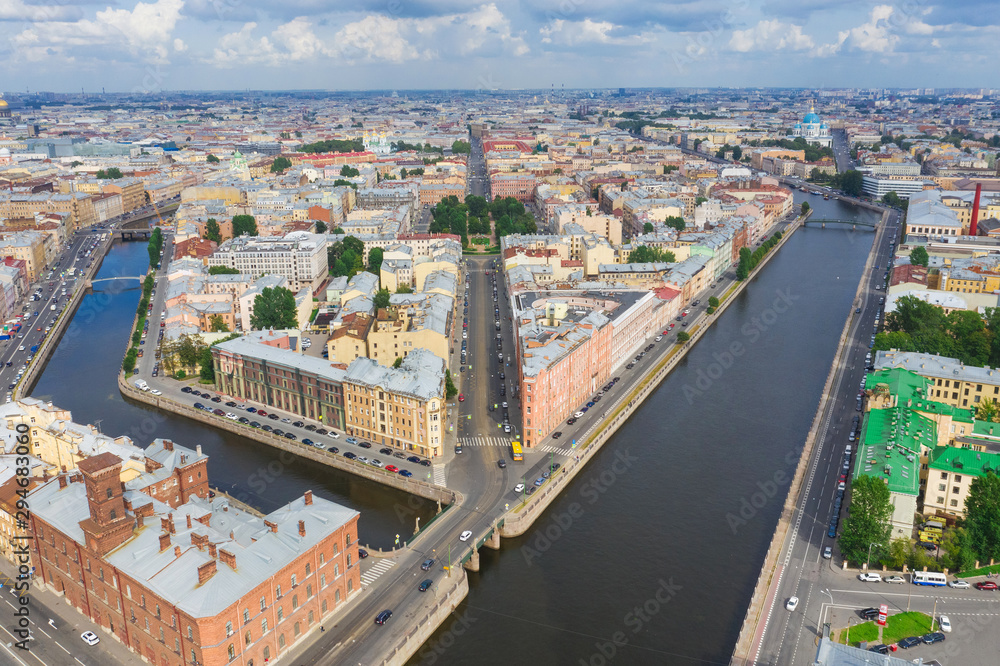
521,518
770,573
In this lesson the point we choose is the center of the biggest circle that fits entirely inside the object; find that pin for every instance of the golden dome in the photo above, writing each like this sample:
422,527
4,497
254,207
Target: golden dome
3,103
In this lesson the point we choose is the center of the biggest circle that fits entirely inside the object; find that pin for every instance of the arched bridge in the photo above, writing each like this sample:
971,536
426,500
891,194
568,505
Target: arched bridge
91,283
854,223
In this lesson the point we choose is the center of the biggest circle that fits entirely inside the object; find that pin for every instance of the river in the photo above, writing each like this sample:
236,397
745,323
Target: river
651,555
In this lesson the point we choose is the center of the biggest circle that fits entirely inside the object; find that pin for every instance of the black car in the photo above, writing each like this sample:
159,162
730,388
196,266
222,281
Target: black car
186,389
290,435
881,648
243,420
383,617
216,399
230,404
334,450
425,463
630,366
868,613
279,432
557,434
386,451
273,417
298,424
198,405
502,464
319,431
428,563
349,455
935,637
909,642
365,445
413,459
554,466
267,427
310,427
254,424
571,420
425,585
307,441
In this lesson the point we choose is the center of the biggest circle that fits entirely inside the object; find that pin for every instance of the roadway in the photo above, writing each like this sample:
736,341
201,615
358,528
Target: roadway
789,637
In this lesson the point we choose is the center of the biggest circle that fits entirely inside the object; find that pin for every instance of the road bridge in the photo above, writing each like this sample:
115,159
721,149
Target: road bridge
854,223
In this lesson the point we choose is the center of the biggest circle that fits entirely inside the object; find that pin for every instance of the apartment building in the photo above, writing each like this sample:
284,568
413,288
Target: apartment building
299,257
403,408
952,382
950,474
29,247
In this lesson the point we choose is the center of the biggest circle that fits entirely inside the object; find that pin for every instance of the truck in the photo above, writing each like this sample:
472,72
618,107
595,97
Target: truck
34,348
141,385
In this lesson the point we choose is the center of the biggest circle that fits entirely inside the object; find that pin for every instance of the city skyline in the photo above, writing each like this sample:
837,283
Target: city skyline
169,45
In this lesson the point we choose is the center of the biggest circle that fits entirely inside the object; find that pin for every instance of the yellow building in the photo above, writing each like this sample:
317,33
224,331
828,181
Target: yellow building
29,246
227,193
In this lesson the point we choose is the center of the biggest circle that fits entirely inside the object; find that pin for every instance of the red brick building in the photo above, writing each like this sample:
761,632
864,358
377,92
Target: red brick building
183,578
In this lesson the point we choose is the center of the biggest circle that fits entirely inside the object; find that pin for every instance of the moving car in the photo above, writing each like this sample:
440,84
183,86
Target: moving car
827,553
383,617
90,638
465,535
945,624
792,603
427,564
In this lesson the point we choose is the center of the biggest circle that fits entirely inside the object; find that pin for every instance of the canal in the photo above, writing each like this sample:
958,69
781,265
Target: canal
651,555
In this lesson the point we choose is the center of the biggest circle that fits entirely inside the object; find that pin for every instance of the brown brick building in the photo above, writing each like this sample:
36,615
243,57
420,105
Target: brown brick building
183,578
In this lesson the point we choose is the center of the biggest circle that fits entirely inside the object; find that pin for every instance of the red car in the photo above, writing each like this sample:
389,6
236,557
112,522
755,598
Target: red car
391,468
261,412
987,585
461,397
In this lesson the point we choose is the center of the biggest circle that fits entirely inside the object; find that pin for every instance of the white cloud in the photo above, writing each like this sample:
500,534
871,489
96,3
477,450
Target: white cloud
373,38
146,31
871,37
16,10
179,45
587,31
771,36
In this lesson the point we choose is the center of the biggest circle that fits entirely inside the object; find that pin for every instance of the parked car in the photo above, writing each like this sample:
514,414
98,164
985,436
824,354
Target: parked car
935,637
871,577
909,642
90,638
895,579
959,584
945,623
986,585
868,613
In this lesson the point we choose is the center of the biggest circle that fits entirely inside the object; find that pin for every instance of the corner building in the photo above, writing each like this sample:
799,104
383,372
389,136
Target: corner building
185,578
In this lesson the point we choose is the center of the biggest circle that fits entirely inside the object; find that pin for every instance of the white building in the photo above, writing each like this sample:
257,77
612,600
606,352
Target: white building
813,130
878,186
299,257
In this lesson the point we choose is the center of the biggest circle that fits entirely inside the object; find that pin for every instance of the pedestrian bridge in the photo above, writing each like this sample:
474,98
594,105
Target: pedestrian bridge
853,223
91,283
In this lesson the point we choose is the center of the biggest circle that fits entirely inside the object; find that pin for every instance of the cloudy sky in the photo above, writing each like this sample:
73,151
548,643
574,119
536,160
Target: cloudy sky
63,45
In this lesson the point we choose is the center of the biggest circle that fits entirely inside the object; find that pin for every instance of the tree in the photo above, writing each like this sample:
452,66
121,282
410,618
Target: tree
713,301
111,174
677,223
982,517
274,308
893,199
223,270
128,363
207,371
919,256
188,350
280,164
212,231
347,171
647,228
868,522
461,147
321,227
398,362
805,207
645,254
449,386
382,298
212,159
337,230
851,182
404,289
375,260
218,324
75,163
683,336
737,153
402,173
244,224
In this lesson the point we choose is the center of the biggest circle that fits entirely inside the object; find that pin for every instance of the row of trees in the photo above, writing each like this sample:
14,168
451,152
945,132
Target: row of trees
917,326
334,146
749,260
645,254
510,217
813,153
154,247
110,174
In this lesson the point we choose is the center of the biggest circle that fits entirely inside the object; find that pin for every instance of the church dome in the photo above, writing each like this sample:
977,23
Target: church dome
3,104
811,118
4,152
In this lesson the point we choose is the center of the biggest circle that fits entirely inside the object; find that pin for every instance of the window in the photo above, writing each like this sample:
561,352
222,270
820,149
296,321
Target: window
147,624
281,614
348,560
263,626
246,615
190,637
944,475
229,628
293,581
958,478
177,645
322,607
322,580
309,590
281,641
111,493
320,561
955,490
295,601
231,650
194,657
954,502
157,611
940,500
942,487
267,652
350,585
308,568
161,636
246,638
277,592
263,604
113,515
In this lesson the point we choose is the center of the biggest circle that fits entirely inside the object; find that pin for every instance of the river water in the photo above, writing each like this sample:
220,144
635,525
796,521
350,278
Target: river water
651,555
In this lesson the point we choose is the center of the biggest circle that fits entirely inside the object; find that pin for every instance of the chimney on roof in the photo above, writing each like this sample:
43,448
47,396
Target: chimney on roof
62,482
164,541
198,449
184,459
173,528
272,526
168,445
177,551
212,552
308,497
302,528
228,559
975,210
206,571
189,521
165,524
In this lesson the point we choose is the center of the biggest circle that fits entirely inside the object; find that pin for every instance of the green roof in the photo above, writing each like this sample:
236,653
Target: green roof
966,461
986,429
890,448
960,414
902,383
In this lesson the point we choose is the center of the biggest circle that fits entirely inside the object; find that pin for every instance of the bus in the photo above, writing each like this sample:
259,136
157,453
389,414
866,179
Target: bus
516,453
929,578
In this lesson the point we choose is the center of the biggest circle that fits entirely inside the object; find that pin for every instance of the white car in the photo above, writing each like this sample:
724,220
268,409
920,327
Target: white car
578,415
465,535
90,638
827,553
895,579
792,603
519,488
659,337
231,416
155,392
959,584
945,624
870,577
334,435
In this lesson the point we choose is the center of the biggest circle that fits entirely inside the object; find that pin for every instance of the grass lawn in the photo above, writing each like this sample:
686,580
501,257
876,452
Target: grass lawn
982,571
899,626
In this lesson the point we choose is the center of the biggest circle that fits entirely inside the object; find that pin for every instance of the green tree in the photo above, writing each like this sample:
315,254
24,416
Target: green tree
340,182
334,146
244,225
274,308
402,173
919,256
212,231
805,207
212,159
321,227
382,298
982,517
223,270
347,171
449,386
337,230
713,301
207,371
75,163
851,183
677,223
683,336
645,254
398,362
461,147
404,289
375,260
111,174
868,521
218,324
647,228
280,164
188,350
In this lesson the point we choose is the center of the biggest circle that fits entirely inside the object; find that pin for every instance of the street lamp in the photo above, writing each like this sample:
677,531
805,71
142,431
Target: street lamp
822,614
869,560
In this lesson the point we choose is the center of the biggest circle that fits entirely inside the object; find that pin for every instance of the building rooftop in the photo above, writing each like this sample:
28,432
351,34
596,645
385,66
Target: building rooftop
890,447
421,375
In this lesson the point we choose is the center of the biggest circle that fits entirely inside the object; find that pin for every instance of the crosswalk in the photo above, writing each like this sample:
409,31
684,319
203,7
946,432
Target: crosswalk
439,477
376,570
484,441
553,449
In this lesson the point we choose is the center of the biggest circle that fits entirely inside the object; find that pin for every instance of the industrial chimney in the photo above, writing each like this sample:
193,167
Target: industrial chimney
975,210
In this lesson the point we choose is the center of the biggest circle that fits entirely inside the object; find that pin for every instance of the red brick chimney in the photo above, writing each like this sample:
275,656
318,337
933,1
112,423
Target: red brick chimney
308,497
302,528
212,552
228,559
164,542
177,551
62,482
206,571
273,526
168,445
189,521
975,211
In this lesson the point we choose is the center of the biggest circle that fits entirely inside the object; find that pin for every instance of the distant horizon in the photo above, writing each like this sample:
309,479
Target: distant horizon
153,45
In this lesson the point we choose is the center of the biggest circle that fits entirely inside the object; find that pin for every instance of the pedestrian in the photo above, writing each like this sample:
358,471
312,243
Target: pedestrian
321,628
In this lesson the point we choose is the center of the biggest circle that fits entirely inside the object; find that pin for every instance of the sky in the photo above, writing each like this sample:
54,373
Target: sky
163,45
